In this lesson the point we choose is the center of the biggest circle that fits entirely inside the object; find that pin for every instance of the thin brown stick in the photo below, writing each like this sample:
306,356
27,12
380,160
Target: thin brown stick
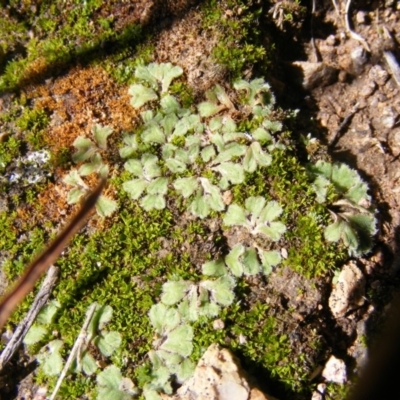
23,327
27,281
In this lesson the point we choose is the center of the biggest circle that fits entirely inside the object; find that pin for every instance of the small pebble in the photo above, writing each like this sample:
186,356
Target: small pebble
335,370
360,17
218,324
378,75
330,40
389,117
359,59
367,89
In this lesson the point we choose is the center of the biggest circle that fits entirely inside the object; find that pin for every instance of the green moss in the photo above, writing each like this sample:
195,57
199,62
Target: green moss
63,31
287,182
32,122
240,40
10,234
9,151
122,64
124,261
184,93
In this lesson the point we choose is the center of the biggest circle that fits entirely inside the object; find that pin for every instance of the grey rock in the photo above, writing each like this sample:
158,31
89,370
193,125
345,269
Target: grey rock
359,58
315,74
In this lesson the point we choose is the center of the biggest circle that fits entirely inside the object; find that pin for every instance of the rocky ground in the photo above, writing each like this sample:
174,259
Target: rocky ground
353,98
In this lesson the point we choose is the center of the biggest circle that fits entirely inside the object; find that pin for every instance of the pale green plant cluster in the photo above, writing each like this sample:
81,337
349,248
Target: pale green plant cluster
197,153
193,158
88,154
110,383
354,218
184,302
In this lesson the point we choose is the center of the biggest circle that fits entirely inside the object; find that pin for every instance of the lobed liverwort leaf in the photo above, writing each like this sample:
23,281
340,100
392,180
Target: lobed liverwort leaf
141,95
85,149
170,104
146,73
101,133
75,195
188,123
163,318
214,268
229,151
158,186
94,165
235,215
109,385
207,153
168,73
273,230
186,186
135,187
232,260
179,341
168,123
51,360
153,201
153,134
174,291
208,109
74,179
199,206
108,342
86,364
253,89
184,370
131,146
48,312
35,334
221,290
261,135
251,265
269,259
231,173
271,211
105,206
255,205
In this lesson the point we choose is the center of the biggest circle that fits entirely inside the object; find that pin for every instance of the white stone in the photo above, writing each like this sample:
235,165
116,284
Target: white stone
218,376
335,370
348,292
218,324
319,394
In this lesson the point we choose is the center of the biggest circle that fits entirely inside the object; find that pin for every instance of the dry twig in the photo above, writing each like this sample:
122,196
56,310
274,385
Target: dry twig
27,281
23,327
353,34
78,343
